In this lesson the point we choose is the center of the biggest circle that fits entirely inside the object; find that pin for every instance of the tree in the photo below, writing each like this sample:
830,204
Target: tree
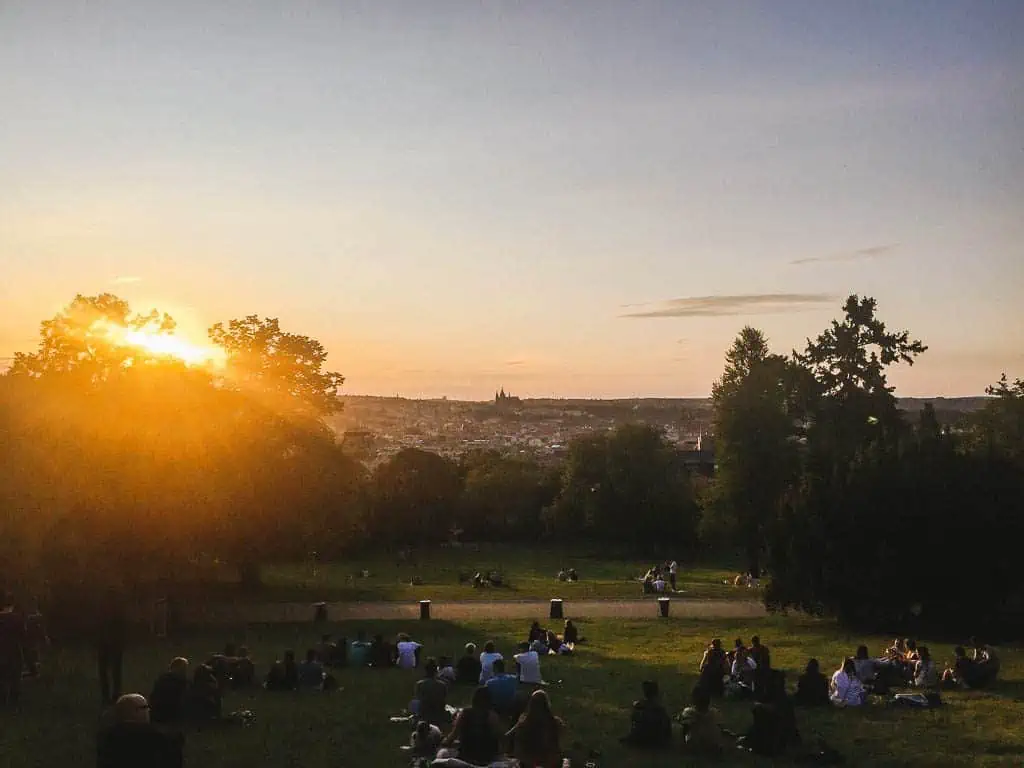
1001,421
833,539
847,362
89,338
754,448
284,370
629,488
503,496
415,497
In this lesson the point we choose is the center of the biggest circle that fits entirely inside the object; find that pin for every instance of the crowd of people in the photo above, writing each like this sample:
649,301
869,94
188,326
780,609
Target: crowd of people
510,717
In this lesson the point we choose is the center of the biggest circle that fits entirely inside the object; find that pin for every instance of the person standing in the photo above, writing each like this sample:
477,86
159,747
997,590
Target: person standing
111,627
673,574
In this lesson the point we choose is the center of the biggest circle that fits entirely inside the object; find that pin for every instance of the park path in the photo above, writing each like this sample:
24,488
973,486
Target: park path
271,613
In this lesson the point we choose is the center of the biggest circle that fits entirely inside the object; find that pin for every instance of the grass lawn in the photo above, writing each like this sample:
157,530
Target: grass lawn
528,573
351,728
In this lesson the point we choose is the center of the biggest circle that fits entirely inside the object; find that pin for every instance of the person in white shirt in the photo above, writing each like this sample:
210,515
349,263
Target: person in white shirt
846,690
407,649
659,584
743,667
529,665
673,574
487,659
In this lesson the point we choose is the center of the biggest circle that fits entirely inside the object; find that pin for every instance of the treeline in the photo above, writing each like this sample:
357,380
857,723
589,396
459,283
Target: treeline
857,511
123,464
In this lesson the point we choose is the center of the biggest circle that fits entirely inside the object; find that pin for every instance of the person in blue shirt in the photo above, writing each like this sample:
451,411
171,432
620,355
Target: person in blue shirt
503,689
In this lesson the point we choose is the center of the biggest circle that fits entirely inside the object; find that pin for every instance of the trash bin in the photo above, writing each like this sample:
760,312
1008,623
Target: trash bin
556,608
663,606
320,612
424,610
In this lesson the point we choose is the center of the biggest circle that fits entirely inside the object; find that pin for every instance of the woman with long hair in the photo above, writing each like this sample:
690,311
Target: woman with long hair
535,737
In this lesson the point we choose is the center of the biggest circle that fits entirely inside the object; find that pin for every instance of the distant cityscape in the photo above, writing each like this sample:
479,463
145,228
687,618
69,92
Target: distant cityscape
375,428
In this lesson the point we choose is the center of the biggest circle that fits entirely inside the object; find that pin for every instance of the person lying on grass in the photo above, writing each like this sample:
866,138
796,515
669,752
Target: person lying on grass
650,726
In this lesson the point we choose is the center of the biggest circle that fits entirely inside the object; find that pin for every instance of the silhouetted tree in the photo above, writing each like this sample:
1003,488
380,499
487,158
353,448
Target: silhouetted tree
755,451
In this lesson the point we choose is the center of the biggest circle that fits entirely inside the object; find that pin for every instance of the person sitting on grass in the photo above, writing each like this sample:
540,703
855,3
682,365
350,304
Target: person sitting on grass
528,665
649,726
223,664
702,733
812,687
243,673
467,671
382,655
773,730
167,701
445,671
204,699
408,651
283,675
477,731
327,651
570,634
963,673
713,668
311,671
864,665
134,741
430,696
502,688
846,690
359,651
760,654
536,632
986,662
926,675
425,740
743,670
535,736
487,659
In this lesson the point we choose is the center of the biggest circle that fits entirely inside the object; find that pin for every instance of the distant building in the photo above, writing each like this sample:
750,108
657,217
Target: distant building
503,400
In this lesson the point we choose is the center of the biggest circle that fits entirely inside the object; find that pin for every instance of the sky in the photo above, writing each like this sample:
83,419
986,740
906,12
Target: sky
573,199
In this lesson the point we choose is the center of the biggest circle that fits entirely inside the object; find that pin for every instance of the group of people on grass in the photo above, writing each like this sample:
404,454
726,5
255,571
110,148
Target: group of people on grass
661,578
510,713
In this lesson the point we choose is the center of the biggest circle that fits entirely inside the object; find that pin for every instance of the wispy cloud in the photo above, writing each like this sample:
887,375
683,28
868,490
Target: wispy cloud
860,253
127,279
515,362
742,304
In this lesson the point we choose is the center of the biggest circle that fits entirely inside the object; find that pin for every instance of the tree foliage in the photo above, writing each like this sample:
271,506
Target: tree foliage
755,450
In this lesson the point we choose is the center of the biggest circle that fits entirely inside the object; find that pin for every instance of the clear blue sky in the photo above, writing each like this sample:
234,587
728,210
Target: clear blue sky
456,196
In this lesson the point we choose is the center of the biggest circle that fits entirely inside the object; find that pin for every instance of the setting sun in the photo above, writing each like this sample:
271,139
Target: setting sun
161,343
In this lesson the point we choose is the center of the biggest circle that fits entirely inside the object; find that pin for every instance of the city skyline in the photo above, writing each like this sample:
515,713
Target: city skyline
563,200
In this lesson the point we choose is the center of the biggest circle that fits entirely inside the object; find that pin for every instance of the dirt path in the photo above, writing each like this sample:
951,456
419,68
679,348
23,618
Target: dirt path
240,613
